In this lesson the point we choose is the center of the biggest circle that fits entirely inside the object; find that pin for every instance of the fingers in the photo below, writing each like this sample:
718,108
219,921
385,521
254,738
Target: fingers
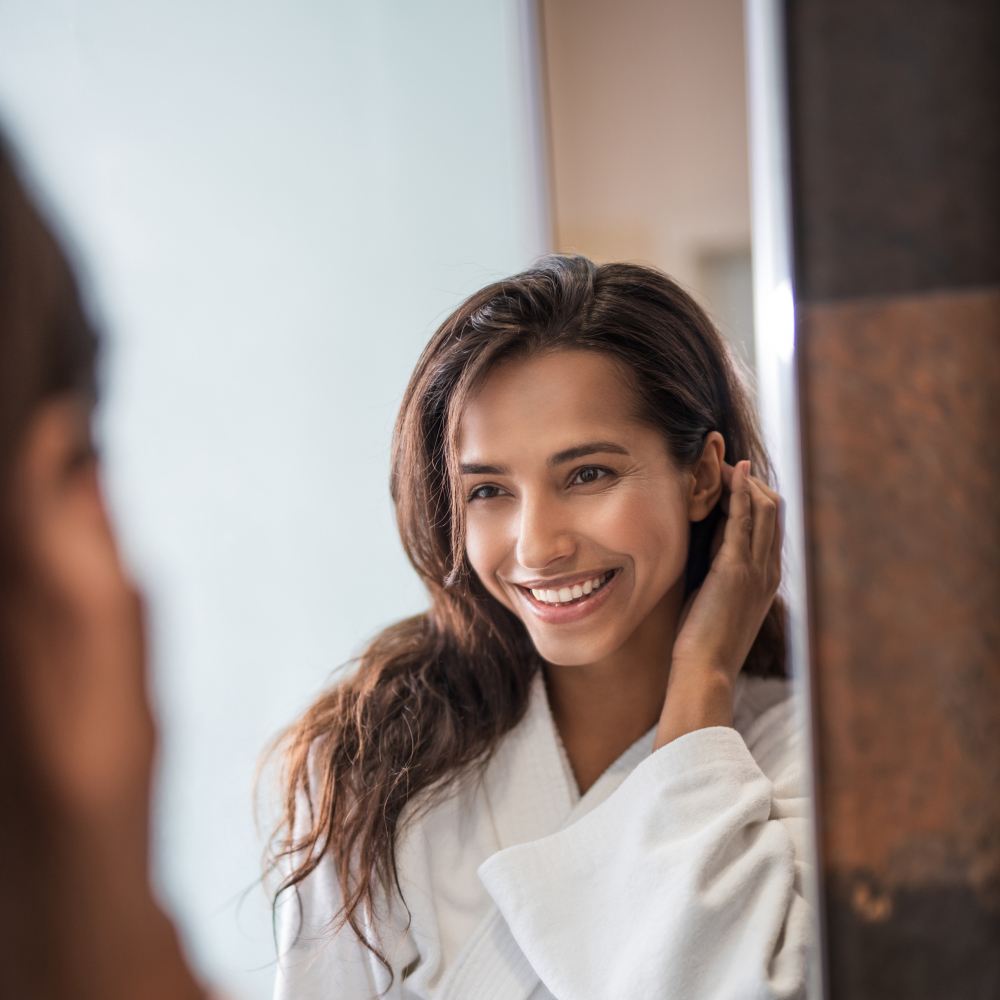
773,506
779,534
772,495
727,484
739,523
728,471
754,527
765,522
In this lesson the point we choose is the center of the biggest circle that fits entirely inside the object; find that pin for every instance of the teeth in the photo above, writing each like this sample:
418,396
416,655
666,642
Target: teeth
566,594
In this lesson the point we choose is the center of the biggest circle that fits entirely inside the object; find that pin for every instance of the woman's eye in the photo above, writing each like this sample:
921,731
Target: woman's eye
485,493
591,474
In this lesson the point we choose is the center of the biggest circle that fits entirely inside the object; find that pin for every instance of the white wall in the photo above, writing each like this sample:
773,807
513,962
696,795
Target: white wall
649,143
275,202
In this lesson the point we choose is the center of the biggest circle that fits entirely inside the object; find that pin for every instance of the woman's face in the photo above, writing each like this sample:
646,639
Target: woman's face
578,518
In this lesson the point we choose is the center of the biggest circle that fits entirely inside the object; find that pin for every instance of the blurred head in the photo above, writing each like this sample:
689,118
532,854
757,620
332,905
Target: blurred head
65,606
47,348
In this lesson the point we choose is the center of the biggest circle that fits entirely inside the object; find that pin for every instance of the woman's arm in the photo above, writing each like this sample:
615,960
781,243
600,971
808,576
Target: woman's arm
314,962
319,957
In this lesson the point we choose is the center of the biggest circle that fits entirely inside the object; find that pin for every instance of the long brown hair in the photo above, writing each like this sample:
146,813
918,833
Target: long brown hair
47,349
433,695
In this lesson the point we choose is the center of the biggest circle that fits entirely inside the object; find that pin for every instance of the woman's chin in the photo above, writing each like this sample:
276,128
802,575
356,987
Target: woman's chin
574,653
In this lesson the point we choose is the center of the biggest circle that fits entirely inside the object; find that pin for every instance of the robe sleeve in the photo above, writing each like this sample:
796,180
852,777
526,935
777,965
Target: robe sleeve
686,882
318,961
313,962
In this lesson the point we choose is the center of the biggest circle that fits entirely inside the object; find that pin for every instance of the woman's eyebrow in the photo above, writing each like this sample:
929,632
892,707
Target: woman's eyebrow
594,448
567,455
483,470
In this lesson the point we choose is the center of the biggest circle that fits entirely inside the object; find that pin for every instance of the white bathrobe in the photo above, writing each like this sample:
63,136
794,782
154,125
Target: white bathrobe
678,875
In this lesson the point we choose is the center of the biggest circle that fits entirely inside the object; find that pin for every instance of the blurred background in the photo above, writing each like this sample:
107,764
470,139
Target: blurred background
272,205
647,109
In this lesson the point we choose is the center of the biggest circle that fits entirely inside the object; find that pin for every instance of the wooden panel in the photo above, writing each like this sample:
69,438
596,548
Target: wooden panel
895,116
901,424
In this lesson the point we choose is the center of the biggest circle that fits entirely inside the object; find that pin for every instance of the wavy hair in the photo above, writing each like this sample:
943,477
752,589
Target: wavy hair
433,695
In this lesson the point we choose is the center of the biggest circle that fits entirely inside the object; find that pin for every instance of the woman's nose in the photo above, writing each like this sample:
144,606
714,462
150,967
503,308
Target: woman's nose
544,536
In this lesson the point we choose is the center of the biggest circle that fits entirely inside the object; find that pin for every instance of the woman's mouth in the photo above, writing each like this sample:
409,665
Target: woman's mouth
567,595
570,602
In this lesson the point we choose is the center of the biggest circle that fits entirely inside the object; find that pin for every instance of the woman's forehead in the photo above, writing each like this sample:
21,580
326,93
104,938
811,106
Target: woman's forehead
585,381
548,403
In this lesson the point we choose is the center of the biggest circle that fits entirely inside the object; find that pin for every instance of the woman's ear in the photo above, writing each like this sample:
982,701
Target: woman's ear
706,484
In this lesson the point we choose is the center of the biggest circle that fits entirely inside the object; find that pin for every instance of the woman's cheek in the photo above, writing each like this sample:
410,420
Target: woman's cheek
656,534
477,545
485,548
628,521
615,519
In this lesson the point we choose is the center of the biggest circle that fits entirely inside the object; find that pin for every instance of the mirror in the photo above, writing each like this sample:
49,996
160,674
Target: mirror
647,112
272,209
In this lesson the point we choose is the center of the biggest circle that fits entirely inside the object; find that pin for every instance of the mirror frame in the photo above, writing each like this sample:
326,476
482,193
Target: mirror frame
777,366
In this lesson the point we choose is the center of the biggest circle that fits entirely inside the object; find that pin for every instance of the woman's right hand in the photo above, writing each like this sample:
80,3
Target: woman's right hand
724,616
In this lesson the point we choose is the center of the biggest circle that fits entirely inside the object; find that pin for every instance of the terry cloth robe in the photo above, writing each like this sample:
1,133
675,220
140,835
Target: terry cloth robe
678,875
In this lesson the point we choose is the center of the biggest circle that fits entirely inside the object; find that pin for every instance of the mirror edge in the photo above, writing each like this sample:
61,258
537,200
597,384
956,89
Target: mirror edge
776,355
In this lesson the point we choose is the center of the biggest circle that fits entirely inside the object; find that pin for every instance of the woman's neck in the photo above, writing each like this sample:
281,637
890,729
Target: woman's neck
600,709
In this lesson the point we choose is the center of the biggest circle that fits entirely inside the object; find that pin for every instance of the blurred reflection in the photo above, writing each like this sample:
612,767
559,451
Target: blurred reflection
648,122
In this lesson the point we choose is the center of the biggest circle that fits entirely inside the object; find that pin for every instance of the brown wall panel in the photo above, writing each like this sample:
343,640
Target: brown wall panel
895,116
901,426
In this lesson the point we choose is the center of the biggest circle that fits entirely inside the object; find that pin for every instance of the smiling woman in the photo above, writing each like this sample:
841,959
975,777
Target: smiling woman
590,557
578,775
551,521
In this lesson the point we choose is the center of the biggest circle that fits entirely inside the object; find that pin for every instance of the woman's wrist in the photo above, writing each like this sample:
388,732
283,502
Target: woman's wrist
699,696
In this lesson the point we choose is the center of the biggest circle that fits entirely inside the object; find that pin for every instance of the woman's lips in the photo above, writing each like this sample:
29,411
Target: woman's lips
562,614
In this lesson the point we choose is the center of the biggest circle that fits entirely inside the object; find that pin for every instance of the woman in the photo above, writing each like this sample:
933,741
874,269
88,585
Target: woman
77,917
576,775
